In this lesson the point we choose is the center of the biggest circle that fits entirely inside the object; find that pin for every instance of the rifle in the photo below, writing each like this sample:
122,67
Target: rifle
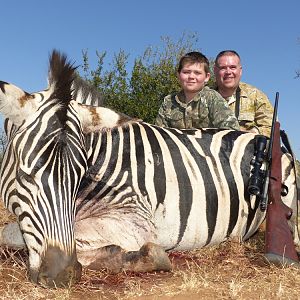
279,244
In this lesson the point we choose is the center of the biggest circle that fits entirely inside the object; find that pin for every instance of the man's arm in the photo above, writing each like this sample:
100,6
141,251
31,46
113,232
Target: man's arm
263,114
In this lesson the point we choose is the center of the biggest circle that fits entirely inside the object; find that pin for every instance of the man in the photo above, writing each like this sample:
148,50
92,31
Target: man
196,105
251,106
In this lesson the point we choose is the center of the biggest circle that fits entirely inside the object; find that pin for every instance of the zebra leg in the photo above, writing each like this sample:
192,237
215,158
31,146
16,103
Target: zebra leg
150,257
11,236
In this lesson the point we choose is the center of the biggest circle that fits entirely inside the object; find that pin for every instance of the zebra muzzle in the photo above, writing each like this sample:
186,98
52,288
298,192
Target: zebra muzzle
58,269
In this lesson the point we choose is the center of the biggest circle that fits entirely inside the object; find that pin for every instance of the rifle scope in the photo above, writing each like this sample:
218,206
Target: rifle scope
256,180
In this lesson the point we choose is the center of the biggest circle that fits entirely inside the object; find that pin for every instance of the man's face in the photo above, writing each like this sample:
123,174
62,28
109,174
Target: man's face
228,72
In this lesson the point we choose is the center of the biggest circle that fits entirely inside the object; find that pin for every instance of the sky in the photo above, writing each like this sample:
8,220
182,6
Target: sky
266,34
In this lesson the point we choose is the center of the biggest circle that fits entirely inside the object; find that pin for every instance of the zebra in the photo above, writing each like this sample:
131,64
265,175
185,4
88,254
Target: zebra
95,188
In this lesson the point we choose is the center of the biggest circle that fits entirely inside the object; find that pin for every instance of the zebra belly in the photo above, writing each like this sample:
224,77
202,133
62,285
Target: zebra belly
126,229
179,232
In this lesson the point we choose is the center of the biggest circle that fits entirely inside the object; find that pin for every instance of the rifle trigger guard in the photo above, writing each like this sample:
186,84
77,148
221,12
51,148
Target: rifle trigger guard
284,190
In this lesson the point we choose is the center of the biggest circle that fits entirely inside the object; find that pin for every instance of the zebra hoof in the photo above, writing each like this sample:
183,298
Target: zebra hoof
150,257
109,257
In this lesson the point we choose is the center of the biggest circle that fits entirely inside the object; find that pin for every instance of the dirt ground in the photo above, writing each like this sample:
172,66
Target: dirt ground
227,271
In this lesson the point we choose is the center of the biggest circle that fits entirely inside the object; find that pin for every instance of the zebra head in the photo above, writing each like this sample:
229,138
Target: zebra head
41,170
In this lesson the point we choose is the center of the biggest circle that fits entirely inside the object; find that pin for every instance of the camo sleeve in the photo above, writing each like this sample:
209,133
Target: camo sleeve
221,116
161,118
256,111
263,114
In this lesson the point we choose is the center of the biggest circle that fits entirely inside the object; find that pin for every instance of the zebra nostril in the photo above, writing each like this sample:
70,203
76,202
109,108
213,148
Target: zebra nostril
45,281
65,278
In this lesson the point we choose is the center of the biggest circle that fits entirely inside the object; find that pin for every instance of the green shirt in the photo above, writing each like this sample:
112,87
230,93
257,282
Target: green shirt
206,110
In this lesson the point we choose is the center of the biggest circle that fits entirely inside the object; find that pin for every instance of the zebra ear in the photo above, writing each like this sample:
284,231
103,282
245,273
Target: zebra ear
13,102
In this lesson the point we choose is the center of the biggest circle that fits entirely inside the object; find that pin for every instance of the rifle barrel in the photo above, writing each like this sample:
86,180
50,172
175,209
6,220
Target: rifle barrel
264,195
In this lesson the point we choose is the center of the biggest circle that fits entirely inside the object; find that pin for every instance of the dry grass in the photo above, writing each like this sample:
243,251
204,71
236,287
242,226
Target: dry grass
227,271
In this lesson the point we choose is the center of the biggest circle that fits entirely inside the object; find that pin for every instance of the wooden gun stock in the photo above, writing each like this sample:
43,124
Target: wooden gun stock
279,243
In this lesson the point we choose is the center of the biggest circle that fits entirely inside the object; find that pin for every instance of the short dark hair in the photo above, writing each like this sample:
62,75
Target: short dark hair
226,52
193,57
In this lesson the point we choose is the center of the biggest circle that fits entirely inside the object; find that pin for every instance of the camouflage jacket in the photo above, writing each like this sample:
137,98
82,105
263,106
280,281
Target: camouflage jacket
256,111
207,109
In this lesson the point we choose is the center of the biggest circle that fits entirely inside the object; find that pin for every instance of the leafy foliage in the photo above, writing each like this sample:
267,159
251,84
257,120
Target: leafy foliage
139,92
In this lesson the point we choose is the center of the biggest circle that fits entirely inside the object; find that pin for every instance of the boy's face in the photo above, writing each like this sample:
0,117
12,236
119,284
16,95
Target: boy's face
193,77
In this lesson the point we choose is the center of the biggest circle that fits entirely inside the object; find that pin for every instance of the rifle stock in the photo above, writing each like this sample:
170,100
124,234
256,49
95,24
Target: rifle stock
279,243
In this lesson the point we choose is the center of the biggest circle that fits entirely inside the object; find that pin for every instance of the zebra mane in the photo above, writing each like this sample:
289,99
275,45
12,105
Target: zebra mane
86,93
68,84
60,77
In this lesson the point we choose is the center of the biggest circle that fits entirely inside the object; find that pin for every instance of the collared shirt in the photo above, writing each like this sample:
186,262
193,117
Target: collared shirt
206,109
255,112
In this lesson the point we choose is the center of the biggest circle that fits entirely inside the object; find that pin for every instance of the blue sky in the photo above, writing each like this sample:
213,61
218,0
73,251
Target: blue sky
265,33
